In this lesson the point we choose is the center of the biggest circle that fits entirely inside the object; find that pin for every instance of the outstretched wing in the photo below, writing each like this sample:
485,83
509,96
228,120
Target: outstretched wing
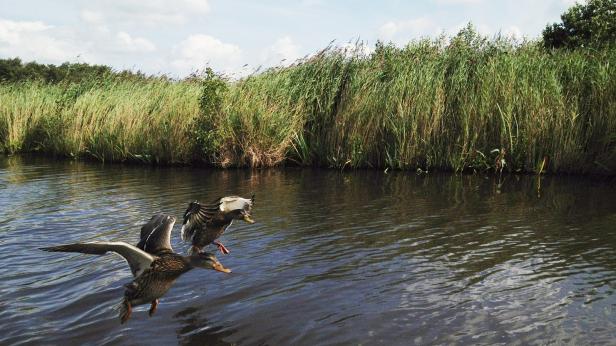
196,216
137,259
156,234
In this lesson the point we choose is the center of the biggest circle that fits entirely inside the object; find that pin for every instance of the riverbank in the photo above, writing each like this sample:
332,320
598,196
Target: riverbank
462,104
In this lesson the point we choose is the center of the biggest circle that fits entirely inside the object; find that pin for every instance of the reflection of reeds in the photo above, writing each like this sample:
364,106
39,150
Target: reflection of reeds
430,105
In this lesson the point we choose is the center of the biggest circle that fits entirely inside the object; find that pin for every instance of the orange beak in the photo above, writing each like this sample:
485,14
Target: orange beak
218,267
248,219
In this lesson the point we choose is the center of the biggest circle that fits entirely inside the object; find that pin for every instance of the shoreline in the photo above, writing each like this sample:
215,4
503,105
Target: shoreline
36,157
460,105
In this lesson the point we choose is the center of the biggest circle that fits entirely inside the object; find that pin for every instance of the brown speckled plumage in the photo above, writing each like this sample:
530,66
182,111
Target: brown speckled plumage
154,265
155,281
212,229
204,223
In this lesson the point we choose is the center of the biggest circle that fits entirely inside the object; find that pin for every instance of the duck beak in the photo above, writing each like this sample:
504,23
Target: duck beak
248,219
219,268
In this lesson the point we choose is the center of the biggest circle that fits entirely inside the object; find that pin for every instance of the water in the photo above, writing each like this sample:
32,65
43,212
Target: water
354,258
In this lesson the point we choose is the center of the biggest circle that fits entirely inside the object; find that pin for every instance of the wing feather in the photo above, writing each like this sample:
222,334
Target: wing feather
156,234
196,217
138,260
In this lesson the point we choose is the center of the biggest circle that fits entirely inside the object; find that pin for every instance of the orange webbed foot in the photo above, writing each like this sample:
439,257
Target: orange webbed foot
222,248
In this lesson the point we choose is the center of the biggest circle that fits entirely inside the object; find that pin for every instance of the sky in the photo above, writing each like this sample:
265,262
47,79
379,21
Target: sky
236,37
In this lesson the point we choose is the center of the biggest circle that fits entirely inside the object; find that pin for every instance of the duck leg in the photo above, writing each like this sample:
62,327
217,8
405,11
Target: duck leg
221,247
153,307
126,311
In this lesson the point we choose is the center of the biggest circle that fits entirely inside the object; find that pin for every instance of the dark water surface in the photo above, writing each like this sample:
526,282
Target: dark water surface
354,258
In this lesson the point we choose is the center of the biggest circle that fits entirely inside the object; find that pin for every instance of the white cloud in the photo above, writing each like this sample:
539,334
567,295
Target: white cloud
405,30
139,13
169,37
199,6
199,51
12,32
34,41
92,17
570,3
134,44
458,2
284,51
310,3
357,49
482,29
513,32
485,30
38,41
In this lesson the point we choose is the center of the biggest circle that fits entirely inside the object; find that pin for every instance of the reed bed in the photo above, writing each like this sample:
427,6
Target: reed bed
461,103
109,120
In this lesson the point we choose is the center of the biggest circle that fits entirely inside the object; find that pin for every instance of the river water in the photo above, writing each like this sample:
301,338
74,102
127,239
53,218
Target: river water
357,257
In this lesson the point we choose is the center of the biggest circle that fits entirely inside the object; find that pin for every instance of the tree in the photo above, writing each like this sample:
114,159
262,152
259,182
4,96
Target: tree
590,24
14,70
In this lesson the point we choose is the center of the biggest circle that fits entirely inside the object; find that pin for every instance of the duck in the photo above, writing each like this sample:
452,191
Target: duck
204,223
153,263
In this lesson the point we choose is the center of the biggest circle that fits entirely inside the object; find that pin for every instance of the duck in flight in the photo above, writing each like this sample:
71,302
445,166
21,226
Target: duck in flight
205,223
154,265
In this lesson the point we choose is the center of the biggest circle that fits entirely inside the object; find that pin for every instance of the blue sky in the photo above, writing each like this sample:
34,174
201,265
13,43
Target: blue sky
180,36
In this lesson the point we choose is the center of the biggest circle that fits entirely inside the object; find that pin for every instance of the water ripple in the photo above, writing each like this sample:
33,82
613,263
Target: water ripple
335,258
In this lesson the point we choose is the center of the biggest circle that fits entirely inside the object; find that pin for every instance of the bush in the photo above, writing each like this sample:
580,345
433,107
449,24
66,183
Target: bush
584,25
206,133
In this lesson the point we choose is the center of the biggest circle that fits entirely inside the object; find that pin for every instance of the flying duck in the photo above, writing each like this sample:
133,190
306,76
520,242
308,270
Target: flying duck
204,223
154,265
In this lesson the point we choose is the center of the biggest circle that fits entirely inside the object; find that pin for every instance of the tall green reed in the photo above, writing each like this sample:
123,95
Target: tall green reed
461,103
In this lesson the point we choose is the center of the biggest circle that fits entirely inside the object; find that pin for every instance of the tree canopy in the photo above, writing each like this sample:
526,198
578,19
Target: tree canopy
14,70
590,24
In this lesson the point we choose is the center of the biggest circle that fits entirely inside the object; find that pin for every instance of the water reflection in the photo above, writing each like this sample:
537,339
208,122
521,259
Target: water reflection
351,257
196,330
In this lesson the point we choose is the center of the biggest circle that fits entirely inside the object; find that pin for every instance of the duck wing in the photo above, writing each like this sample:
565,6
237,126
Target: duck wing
196,217
137,259
156,234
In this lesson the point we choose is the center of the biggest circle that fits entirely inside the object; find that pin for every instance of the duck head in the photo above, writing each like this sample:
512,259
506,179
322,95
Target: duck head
207,260
239,208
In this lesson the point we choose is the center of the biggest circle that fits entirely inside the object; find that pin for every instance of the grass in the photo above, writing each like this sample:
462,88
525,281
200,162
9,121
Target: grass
110,121
442,104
